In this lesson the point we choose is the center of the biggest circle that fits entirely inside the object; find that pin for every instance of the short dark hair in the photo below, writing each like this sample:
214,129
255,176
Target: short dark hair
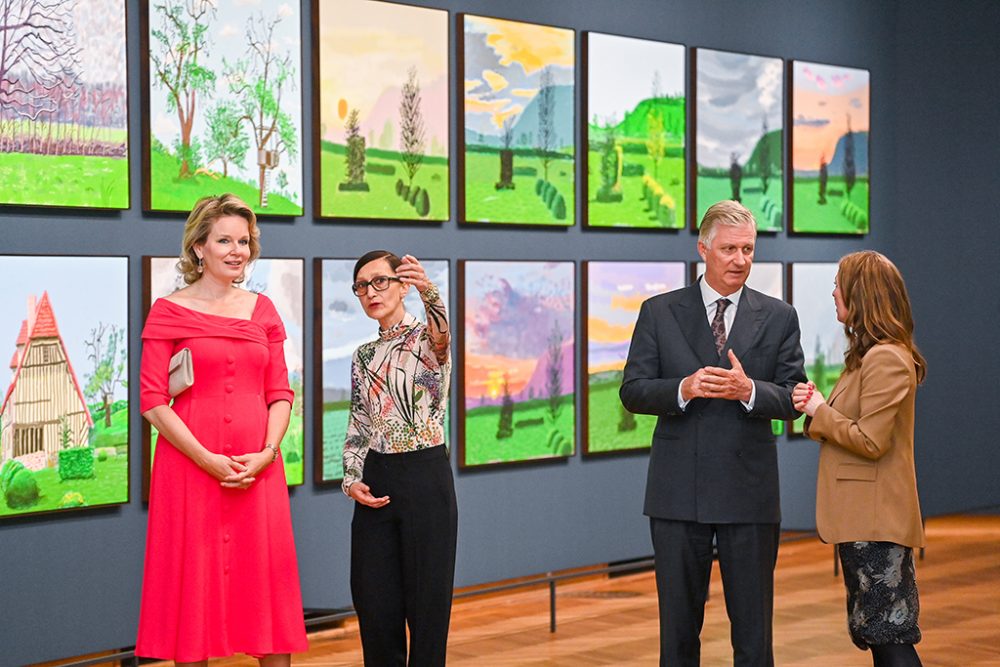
393,260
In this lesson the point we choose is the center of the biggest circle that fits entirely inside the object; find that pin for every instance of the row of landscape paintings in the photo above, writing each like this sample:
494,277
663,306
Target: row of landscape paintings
222,101
64,419
516,390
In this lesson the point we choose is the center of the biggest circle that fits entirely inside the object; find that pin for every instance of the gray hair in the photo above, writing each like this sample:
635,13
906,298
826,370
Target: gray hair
728,212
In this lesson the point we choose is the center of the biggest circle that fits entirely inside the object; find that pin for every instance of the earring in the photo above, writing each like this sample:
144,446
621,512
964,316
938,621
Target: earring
201,265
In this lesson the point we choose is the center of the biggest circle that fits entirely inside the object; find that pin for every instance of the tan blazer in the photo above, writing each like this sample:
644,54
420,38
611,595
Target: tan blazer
867,485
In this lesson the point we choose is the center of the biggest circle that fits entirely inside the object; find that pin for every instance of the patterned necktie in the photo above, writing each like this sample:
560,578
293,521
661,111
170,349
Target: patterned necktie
719,324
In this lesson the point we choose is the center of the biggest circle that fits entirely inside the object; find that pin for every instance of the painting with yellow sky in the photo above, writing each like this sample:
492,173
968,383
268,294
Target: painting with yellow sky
518,136
615,291
830,125
383,111
516,388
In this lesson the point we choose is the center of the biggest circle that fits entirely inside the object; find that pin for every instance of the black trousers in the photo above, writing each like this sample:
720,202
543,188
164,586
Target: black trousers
403,558
683,562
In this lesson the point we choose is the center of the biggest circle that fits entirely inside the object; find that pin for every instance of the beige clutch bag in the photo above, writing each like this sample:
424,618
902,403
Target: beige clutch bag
181,372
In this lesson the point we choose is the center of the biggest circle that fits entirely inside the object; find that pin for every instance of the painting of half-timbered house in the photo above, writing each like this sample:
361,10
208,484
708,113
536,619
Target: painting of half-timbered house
64,409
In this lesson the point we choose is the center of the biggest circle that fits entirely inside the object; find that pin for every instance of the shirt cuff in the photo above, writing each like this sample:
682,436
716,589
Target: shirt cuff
681,403
753,397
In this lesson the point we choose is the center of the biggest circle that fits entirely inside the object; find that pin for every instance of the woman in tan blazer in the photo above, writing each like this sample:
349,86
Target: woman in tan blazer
866,493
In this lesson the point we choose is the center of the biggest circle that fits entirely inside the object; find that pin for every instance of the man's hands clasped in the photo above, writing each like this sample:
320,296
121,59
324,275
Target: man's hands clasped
716,382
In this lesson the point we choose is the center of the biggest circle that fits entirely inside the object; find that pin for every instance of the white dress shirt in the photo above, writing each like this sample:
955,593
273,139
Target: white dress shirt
710,297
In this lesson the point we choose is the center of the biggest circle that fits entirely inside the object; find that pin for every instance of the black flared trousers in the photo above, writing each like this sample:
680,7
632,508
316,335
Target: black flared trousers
403,558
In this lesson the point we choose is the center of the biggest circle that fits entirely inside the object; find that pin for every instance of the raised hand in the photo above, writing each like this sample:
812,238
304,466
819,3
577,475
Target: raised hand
410,272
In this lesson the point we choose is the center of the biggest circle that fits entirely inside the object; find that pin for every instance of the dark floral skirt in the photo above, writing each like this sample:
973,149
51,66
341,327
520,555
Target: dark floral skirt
882,603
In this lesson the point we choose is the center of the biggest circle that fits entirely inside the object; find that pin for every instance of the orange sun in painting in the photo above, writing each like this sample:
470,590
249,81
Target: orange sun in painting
342,108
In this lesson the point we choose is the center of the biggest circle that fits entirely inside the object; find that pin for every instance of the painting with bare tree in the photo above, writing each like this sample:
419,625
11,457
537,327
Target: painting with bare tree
223,104
63,104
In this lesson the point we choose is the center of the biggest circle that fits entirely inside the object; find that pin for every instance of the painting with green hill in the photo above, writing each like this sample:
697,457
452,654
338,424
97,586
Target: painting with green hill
281,280
383,111
517,396
739,116
517,135
344,327
615,292
64,410
823,337
63,104
830,122
223,104
635,108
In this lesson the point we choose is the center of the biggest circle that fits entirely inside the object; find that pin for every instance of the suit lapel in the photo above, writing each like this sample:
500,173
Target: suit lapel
838,388
689,312
746,327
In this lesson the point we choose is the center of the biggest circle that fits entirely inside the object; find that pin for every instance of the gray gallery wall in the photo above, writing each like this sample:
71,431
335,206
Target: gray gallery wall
70,583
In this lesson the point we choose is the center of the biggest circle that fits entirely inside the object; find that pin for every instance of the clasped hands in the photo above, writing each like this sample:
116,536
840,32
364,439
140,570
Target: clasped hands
237,472
806,398
716,382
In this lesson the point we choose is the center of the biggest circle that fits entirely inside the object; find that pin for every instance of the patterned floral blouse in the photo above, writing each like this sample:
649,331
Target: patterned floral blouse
399,389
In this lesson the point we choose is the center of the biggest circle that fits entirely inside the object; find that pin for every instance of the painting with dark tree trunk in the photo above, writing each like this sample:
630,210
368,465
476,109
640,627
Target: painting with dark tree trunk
223,104
63,104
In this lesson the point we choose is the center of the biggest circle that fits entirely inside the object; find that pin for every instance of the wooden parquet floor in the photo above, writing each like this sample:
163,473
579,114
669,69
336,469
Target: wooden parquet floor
605,621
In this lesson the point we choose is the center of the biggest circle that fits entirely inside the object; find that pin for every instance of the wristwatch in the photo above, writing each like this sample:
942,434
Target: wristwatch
431,294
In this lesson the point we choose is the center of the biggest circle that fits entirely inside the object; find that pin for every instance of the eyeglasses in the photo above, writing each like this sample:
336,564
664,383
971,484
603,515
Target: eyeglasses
378,283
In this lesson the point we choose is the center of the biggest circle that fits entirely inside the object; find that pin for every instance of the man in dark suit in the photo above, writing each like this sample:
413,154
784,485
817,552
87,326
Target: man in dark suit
715,362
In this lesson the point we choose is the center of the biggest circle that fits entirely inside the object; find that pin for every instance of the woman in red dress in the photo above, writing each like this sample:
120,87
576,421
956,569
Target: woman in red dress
221,575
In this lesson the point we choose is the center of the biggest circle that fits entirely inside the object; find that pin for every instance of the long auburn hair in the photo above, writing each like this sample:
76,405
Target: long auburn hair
878,308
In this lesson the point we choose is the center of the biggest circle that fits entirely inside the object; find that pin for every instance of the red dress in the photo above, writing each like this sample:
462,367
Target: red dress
221,575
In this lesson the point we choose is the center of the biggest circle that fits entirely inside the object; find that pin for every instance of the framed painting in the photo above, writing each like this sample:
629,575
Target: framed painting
810,285
739,125
64,105
830,117
516,381
381,70
282,281
64,415
635,108
516,142
222,108
613,293
340,327
767,278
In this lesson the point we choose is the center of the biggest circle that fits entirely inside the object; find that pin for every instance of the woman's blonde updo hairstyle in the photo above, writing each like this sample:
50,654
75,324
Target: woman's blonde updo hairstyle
199,224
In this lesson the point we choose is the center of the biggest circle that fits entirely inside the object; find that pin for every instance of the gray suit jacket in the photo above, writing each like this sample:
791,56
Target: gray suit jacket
713,462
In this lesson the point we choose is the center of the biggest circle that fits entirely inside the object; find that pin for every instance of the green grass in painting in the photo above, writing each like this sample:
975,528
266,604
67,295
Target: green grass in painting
114,436
824,383
829,218
381,200
529,441
633,210
712,189
484,203
605,418
335,416
63,180
170,193
109,485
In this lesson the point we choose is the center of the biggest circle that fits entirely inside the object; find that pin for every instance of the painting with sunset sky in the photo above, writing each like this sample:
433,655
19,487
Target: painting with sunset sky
830,178
342,326
517,137
516,361
382,77
615,291
636,110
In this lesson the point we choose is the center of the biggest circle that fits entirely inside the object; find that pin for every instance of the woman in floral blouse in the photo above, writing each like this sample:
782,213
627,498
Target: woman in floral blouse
866,493
403,535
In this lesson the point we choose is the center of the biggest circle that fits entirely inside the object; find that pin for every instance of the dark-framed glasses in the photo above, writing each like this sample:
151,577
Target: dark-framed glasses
379,283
